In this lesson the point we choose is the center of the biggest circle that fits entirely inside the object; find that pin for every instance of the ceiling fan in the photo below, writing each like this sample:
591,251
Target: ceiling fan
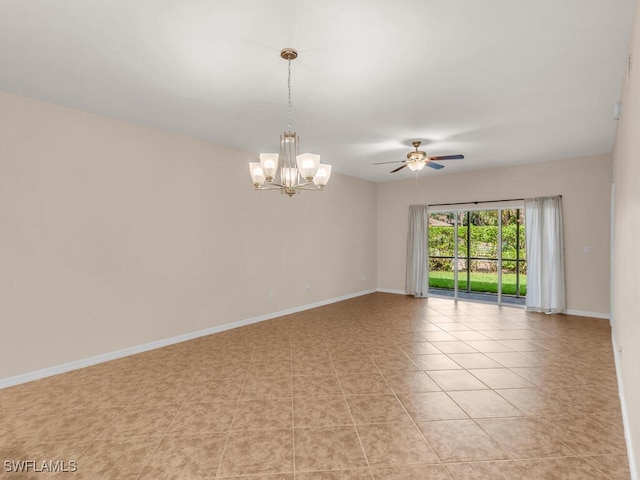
418,159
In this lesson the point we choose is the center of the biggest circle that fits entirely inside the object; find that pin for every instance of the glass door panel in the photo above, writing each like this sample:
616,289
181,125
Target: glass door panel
514,263
461,262
442,251
483,256
522,255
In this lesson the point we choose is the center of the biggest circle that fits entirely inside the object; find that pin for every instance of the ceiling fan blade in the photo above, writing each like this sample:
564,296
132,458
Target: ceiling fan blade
437,166
447,157
399,168
384,163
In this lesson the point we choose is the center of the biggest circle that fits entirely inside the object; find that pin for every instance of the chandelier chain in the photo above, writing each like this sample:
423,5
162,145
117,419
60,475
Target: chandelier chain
289,87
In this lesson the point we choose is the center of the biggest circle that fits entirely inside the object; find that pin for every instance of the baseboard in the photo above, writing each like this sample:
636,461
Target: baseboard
400,292
395,292
105,357
578,313
581,313
625,418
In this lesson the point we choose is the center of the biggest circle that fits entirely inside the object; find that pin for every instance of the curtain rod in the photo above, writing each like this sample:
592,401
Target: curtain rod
482,201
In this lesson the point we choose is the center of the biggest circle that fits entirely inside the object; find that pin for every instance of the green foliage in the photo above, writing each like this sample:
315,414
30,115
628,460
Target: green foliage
483,217
480,282
483,243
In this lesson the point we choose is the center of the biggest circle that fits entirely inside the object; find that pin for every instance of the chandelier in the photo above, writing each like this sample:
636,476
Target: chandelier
289,171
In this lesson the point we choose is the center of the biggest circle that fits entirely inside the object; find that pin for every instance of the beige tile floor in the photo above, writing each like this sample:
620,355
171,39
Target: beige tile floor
378,387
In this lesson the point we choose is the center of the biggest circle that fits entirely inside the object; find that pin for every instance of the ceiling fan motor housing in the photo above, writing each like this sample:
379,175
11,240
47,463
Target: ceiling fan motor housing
417,156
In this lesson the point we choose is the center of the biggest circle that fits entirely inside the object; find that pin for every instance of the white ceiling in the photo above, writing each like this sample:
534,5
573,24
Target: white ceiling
501,81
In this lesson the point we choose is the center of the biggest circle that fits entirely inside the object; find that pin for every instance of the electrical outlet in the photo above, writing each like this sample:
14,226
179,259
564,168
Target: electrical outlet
308,288
272,294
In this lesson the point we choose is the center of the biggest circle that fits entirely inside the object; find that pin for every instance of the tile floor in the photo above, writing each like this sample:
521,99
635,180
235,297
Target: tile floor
378,387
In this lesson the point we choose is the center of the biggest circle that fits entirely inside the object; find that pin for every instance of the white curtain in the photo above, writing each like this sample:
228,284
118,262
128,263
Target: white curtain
417,251
545,255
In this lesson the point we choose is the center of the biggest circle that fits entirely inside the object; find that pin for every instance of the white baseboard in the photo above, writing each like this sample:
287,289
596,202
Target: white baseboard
395,292
581,313
578,313
105,357
625,418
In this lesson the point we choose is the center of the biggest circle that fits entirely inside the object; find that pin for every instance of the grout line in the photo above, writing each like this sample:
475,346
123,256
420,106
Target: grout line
150,456
174,417
395,395
594,465
233,418
293,412
353,421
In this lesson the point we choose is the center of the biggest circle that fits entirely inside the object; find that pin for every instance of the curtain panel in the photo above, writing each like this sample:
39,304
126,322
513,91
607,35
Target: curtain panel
417,282
545,255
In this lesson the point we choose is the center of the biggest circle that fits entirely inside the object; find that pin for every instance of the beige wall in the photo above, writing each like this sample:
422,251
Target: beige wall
584,183
626,264
113,235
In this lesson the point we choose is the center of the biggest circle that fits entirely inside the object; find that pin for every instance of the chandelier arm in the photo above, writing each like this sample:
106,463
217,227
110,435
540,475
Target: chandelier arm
279,185
307,188
297,185
270,187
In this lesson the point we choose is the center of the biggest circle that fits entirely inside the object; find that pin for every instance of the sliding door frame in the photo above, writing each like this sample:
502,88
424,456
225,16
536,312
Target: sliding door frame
458,214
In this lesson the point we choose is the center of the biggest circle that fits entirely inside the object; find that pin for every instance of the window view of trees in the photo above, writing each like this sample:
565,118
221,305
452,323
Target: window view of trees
477,260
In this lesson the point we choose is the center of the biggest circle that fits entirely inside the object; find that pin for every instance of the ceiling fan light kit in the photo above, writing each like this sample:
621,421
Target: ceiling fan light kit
418,159
296,171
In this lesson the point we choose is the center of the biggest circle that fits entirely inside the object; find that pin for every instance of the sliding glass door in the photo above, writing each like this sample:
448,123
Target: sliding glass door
443,262
478,255
514,257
